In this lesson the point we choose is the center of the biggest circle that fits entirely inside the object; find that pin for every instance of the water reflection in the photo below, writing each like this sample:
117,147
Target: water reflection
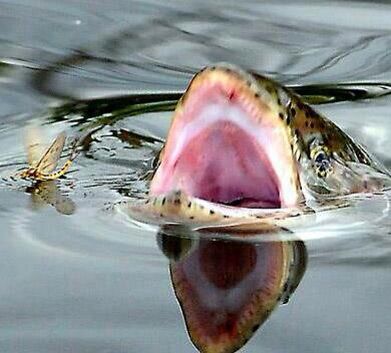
48,193
228,289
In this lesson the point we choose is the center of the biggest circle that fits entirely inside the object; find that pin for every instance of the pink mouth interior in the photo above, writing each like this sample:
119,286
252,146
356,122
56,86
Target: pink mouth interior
216,150
223,164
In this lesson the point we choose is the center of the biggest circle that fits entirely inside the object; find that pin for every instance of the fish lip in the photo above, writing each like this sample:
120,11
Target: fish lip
238,89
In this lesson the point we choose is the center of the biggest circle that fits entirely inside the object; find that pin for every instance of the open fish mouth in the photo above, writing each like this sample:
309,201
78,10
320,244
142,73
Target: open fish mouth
246,151
228,144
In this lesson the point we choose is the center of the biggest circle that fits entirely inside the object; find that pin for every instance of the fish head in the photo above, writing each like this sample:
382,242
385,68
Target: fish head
245,140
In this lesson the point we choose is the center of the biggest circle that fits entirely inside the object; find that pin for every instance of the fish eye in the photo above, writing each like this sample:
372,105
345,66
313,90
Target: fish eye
322,163
320,157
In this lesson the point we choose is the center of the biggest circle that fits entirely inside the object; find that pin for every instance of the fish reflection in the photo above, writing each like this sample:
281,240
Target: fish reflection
228,289
48,193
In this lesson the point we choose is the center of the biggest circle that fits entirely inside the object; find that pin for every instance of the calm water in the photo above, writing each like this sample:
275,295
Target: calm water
78,278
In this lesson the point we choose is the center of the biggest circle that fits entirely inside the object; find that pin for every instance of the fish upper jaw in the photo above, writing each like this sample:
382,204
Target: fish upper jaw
228,144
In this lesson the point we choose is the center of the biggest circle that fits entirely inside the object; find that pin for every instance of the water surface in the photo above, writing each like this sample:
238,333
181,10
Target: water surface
79,278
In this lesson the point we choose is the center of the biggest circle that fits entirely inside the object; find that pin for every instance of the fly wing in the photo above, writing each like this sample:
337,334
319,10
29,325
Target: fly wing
33,145
50,159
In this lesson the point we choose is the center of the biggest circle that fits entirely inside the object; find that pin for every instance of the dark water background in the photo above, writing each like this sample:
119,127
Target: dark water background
90,282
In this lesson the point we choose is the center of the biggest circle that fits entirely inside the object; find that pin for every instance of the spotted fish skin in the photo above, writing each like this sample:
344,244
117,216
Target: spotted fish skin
309,130
180,208
330,161
323,161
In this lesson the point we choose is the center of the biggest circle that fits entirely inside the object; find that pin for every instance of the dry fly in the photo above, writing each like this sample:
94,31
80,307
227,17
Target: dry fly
42,164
